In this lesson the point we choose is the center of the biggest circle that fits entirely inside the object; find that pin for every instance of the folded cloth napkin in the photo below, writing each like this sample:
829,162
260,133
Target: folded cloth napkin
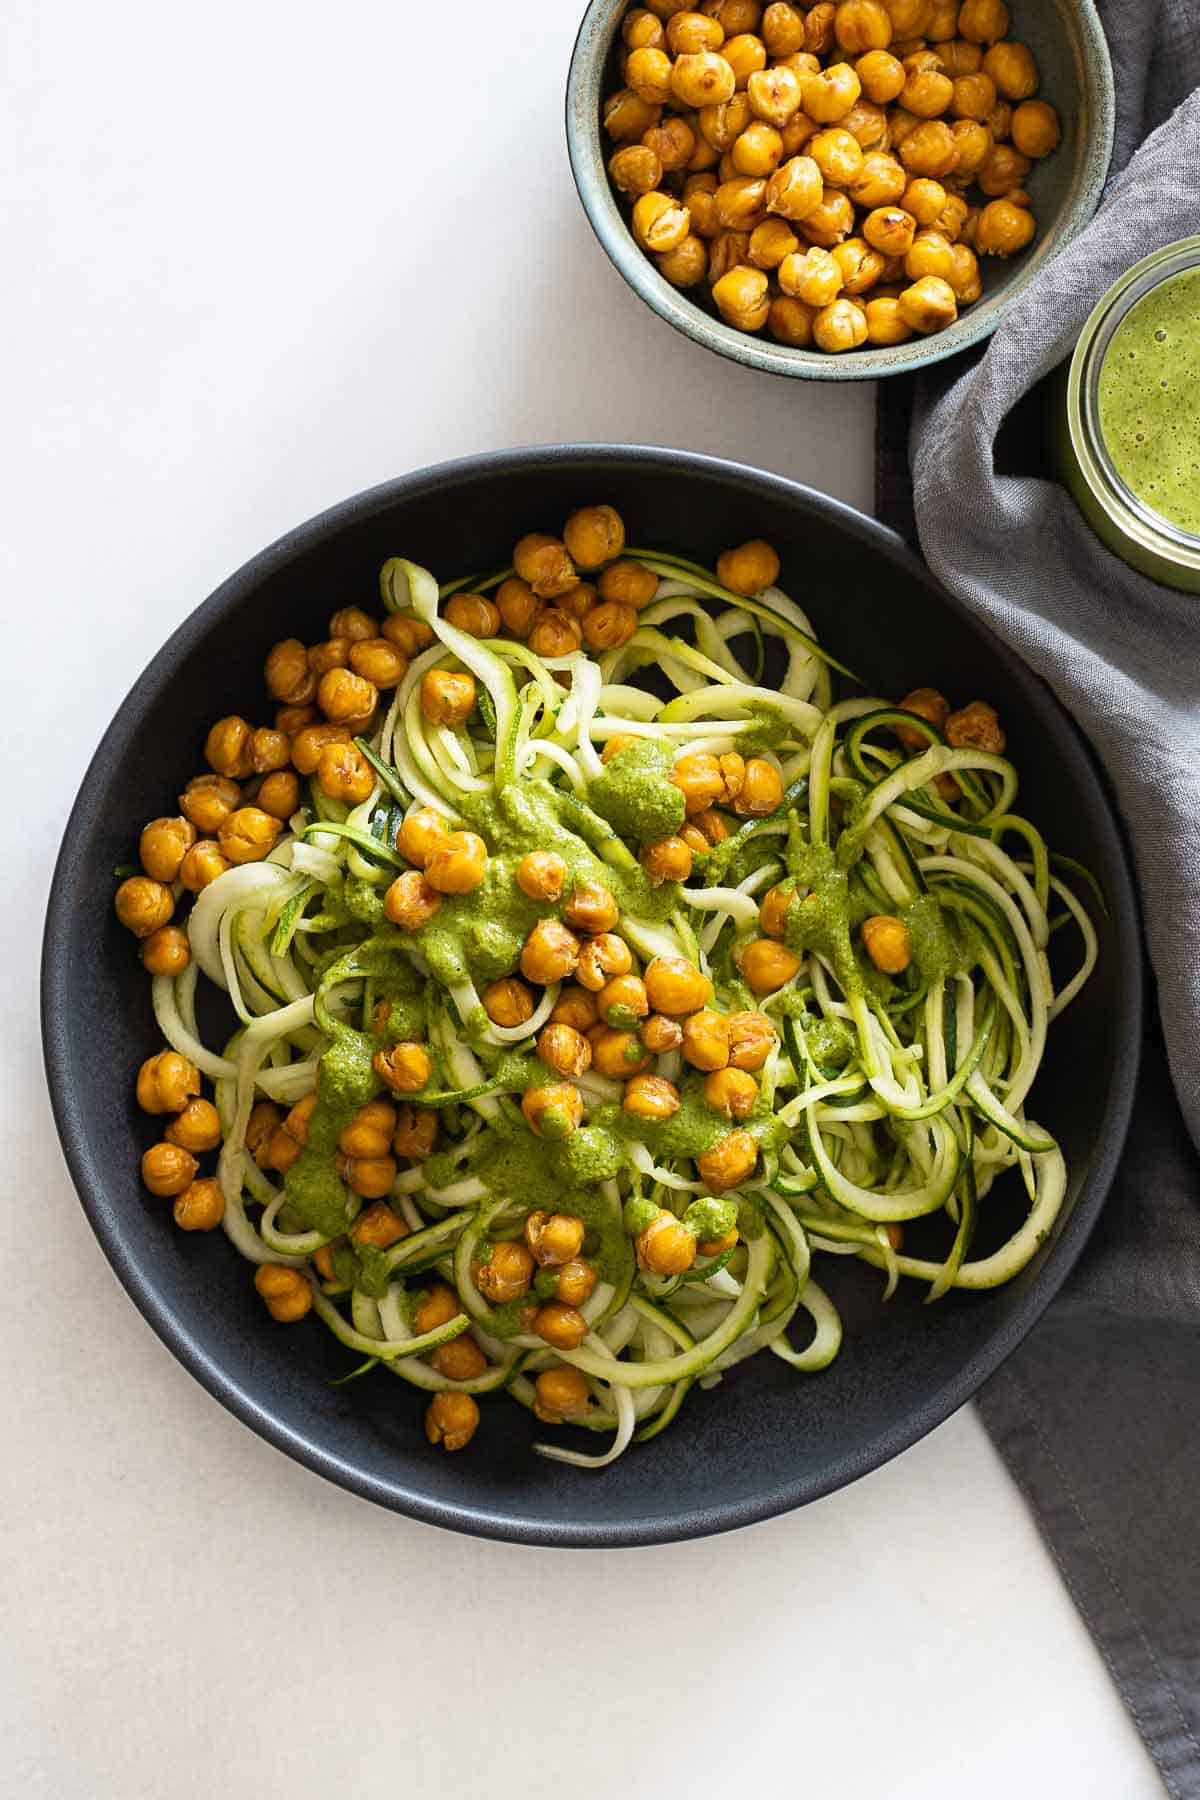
1098,1414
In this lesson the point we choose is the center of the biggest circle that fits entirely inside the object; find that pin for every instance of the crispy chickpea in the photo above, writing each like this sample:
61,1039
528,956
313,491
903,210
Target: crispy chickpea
925,199
576,1282
617,1054
369,1132
838,155
829,95
861,267
771,242
163,845
378,661
767,965
508,1002
575,1007
789,322
422,832
881,75
377,1225
660,1035
999,121
249,834
724,122
782,29
761,790
690,32
447,696
404,1068
459,1360
627,116
648,73
702,78
976,727
409,635
611,623
731,1092
974,96
167,1169
635,169
201,1206
550,953
960,58
197,1128
628,583
900,124
718,1246
1035,128
748,569
166,951
887,943
439,1306
458,864
600,959
270,751
728,1162
565,1050
203,863
675,986
974,143
167,1082
518,606
641,30
345,698
798,131
543,562
740,201
757,152
928,305
699,779
353,623
930,149
622,1002
416,1132
553,1112
451,1420
620,740
795,190
869,126
370,1177
1004,229
964,276
143,906
666,859
819,27
410,902
773,913
555,634
729,250
665,1247
279,794
541,874
746,56
910,18
926,703
812,277
227,748
343,773
943,20
594,535
774,96
861,26
1013,70
752,1038
830,222
591,908
700,198
333,654
890,230
287,674
563,1393
660,222
309,742
983,21
929,254
706,1040
208,800
562,1327
554,1238
504,1275
1004,168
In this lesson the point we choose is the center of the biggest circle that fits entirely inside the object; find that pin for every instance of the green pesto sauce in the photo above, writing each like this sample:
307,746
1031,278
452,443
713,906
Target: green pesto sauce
821,920
939,948
829,1043
316,1196
634,793
711,1218
771,728
1150,400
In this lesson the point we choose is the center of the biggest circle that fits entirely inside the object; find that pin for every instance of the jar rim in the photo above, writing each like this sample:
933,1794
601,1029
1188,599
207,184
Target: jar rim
1127,510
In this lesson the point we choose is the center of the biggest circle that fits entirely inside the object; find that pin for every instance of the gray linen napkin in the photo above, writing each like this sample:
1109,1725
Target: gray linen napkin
1098,1414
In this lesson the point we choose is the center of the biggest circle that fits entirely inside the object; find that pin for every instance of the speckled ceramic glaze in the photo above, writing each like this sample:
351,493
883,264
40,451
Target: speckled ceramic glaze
766,1439
1072,53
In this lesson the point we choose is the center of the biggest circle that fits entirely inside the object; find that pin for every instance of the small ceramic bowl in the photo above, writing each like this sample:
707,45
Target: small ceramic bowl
1068,41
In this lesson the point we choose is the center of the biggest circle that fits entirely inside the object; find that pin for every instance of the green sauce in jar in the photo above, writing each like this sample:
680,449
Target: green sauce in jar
1149,400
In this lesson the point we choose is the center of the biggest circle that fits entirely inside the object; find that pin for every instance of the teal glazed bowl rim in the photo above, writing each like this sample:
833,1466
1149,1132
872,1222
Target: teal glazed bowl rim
1091,150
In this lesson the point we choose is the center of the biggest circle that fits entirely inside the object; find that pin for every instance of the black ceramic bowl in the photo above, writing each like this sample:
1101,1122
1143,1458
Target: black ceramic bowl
766,1439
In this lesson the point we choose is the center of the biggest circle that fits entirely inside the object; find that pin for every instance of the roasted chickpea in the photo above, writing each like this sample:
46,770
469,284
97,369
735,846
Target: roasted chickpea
622,1002
594,535
925,200
831,222
167,1169
869,126
746,56
404,1068
541,875
887,943
421,834
722,124
167,1082
900,123
706,1040
861,266
983,21
928,305
287,674
600,959
752,1038
960,58
166,951
782,29
943,20
660,222
728,1162
812,277
881,75
197,1128
553,1112
1004,229
829,95
910,18
770,243
562,1327
641,30
163,845
756,153
143,906
747,569
930,254
576,1282
343,773
651,1097
550,953
1035,128
790,322
999,121
974,96
563,1393
227,748
976,727
287,1294
660,1035
964,277
627,116
410,901
731,1092
555,634
838,155
416,1132
508,1002
459,1360
505,1274
333,654
712,826
648,73
201,1206
439,1306
249,834
665,1247
634,169
930,149
774,96
819,28
861,26
690,32
675,986
379,661
1013,70
516,602
1004,168
208,800
666,859
345,698
279,794
203,863
576,1007
767,965
554,1238
798,132
890,230
628,583
371,1177
591,908
761,789
544,563
309,742
928,704
796,190
409,635
451,1420
702,78
369,1132
617,1054
565,1050
447,697
974,143
699,780
458,864
729,250
741,201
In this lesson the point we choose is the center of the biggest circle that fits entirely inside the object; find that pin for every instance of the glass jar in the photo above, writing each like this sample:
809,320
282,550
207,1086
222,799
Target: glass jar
1118,486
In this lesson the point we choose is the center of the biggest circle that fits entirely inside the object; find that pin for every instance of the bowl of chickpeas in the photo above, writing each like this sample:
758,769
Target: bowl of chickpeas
840,190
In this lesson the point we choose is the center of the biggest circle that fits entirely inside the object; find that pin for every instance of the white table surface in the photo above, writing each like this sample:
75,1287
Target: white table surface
259,255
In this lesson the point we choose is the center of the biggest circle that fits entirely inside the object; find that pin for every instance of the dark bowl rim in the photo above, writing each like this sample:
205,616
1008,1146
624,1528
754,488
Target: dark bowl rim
88,1178
872,363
